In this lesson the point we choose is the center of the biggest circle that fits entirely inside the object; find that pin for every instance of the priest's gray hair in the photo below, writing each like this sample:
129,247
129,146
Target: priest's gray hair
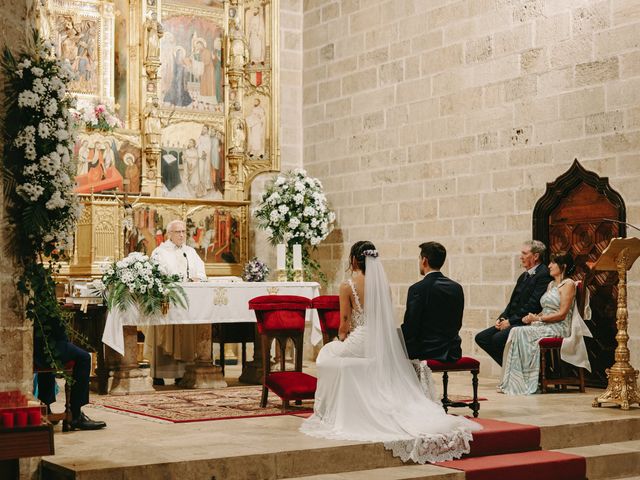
173,223
536,247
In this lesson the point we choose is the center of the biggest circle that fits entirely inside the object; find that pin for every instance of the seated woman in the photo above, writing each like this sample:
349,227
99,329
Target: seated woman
367,388
521,361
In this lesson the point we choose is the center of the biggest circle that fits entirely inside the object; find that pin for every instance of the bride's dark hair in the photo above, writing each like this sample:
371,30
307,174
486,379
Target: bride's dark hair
357,253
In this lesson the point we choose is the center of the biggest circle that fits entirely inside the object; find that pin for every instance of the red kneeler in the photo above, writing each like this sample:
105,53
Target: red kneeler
465,364
280,317
67,369
328,307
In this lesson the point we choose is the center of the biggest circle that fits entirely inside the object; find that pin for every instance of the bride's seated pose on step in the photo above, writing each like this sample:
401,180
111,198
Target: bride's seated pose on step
367,388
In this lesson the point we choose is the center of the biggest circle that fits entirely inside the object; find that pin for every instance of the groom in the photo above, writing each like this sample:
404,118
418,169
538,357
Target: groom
433,316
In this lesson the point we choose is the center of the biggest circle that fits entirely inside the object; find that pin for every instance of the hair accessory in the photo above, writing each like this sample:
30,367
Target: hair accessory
370,253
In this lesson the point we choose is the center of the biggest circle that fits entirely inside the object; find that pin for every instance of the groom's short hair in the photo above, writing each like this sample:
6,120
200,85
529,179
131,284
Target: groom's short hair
435,253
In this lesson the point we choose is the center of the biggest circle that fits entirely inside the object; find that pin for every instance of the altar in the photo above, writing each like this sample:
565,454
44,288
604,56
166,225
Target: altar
208,303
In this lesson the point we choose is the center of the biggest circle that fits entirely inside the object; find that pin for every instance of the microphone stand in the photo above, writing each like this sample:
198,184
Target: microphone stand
621,222
184,254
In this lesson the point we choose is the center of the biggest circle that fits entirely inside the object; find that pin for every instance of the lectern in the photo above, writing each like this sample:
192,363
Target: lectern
622,388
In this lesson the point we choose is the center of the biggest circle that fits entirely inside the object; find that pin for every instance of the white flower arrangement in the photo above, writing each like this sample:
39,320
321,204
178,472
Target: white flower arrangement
139,281
255,271
294,210
99,118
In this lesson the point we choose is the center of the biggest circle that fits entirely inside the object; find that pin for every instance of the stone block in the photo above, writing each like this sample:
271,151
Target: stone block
350,216
527,198
606,167
455,166
621,142
292,40
488,141
536,110
329,90
565,152
628,165
413,26
625,11
630,64
339,28
414,210
385,213
519,223
327,52
522,87
373,121
312,18
554,82
433,228
560,130
369,196
316,36
314,74
623,93
338,108
447,14
590,19
373,58
463,30
489,225
397,115
360,81
400,49
349,6
527,157
343,67
441,59
365,19
497,203
473,183
453,148
495,266
426,41
312,115
489,162
330,12
460,206
362,143
412,67
604,122
345,46
478,50
534,60
440,187
582,102
488,118
571,51
391,73
461,102
516,137
527,10
413,90
596,72
495,70
616,40
449,81
366,102
466,268
632,118
419,153
516,39
423,110
484,296
396,193
318,133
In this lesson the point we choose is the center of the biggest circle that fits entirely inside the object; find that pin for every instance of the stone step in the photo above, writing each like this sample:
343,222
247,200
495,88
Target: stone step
604,462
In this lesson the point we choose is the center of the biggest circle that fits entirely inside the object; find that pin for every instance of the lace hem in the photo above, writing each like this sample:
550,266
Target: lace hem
426,449
425,377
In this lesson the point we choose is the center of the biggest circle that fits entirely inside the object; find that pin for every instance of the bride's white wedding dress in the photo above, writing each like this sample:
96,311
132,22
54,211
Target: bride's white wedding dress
369,391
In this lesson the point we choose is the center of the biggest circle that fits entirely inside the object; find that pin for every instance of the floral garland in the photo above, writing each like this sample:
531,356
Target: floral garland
294,210
38,176
99,118
138,281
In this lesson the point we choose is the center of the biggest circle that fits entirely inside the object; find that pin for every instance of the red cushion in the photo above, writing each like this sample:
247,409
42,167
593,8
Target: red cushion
326,302
279,302
464,364
329,320
551,342
292,385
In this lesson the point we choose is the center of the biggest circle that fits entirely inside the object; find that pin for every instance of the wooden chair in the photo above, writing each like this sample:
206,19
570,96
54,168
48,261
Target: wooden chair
282,317
328,308
67,370
551,346
465,364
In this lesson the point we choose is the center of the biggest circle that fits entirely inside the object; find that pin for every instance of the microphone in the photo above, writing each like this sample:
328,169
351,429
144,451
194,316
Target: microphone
621,222
184,254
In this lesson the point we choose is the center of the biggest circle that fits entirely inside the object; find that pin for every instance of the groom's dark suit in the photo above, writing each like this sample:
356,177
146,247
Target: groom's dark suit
433,318
525,299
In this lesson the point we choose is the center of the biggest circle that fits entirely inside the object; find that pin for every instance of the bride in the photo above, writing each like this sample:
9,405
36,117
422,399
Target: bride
367,388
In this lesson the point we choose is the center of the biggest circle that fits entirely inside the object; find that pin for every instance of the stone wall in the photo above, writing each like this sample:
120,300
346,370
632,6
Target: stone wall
444,120
16,341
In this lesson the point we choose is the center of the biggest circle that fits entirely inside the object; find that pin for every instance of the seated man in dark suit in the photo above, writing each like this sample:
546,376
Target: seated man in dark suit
433,316
66,352
525,299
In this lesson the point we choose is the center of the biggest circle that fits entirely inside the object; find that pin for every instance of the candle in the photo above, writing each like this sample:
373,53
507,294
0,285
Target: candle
281,252
297,257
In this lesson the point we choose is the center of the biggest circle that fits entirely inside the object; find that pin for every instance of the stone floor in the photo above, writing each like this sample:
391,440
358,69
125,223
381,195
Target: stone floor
272,447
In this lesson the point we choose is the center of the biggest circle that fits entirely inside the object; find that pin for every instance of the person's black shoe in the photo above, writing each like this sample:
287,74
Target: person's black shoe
85,423
158,381
177,380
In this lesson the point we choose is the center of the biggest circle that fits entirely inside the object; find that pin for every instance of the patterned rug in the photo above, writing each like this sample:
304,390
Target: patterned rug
181,406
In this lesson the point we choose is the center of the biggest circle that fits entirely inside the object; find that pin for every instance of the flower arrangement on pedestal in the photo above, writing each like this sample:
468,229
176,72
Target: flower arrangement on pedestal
255,271
294,210
138,281
38,177
99,118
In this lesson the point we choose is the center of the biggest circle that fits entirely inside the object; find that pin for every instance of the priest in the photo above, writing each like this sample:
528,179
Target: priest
170,347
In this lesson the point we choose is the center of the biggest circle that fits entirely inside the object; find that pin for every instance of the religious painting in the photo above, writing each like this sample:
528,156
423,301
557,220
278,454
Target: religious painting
121,59
215,230
191,75
257,126
192,161
201,3
256,34
215,234
105,162
82,33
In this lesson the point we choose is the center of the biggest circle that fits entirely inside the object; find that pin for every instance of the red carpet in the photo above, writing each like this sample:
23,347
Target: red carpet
504,450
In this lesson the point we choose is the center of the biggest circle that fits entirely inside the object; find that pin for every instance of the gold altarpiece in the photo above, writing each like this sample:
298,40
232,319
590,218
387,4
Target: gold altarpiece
194,83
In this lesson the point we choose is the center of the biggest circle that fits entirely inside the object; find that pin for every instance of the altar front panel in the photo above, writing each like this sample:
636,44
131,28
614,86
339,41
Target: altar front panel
212,302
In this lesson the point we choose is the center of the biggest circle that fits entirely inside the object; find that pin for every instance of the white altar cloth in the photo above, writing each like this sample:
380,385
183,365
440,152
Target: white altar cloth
212,302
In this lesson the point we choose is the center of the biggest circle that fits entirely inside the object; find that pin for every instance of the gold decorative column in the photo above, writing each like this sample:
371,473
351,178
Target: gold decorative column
622,388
